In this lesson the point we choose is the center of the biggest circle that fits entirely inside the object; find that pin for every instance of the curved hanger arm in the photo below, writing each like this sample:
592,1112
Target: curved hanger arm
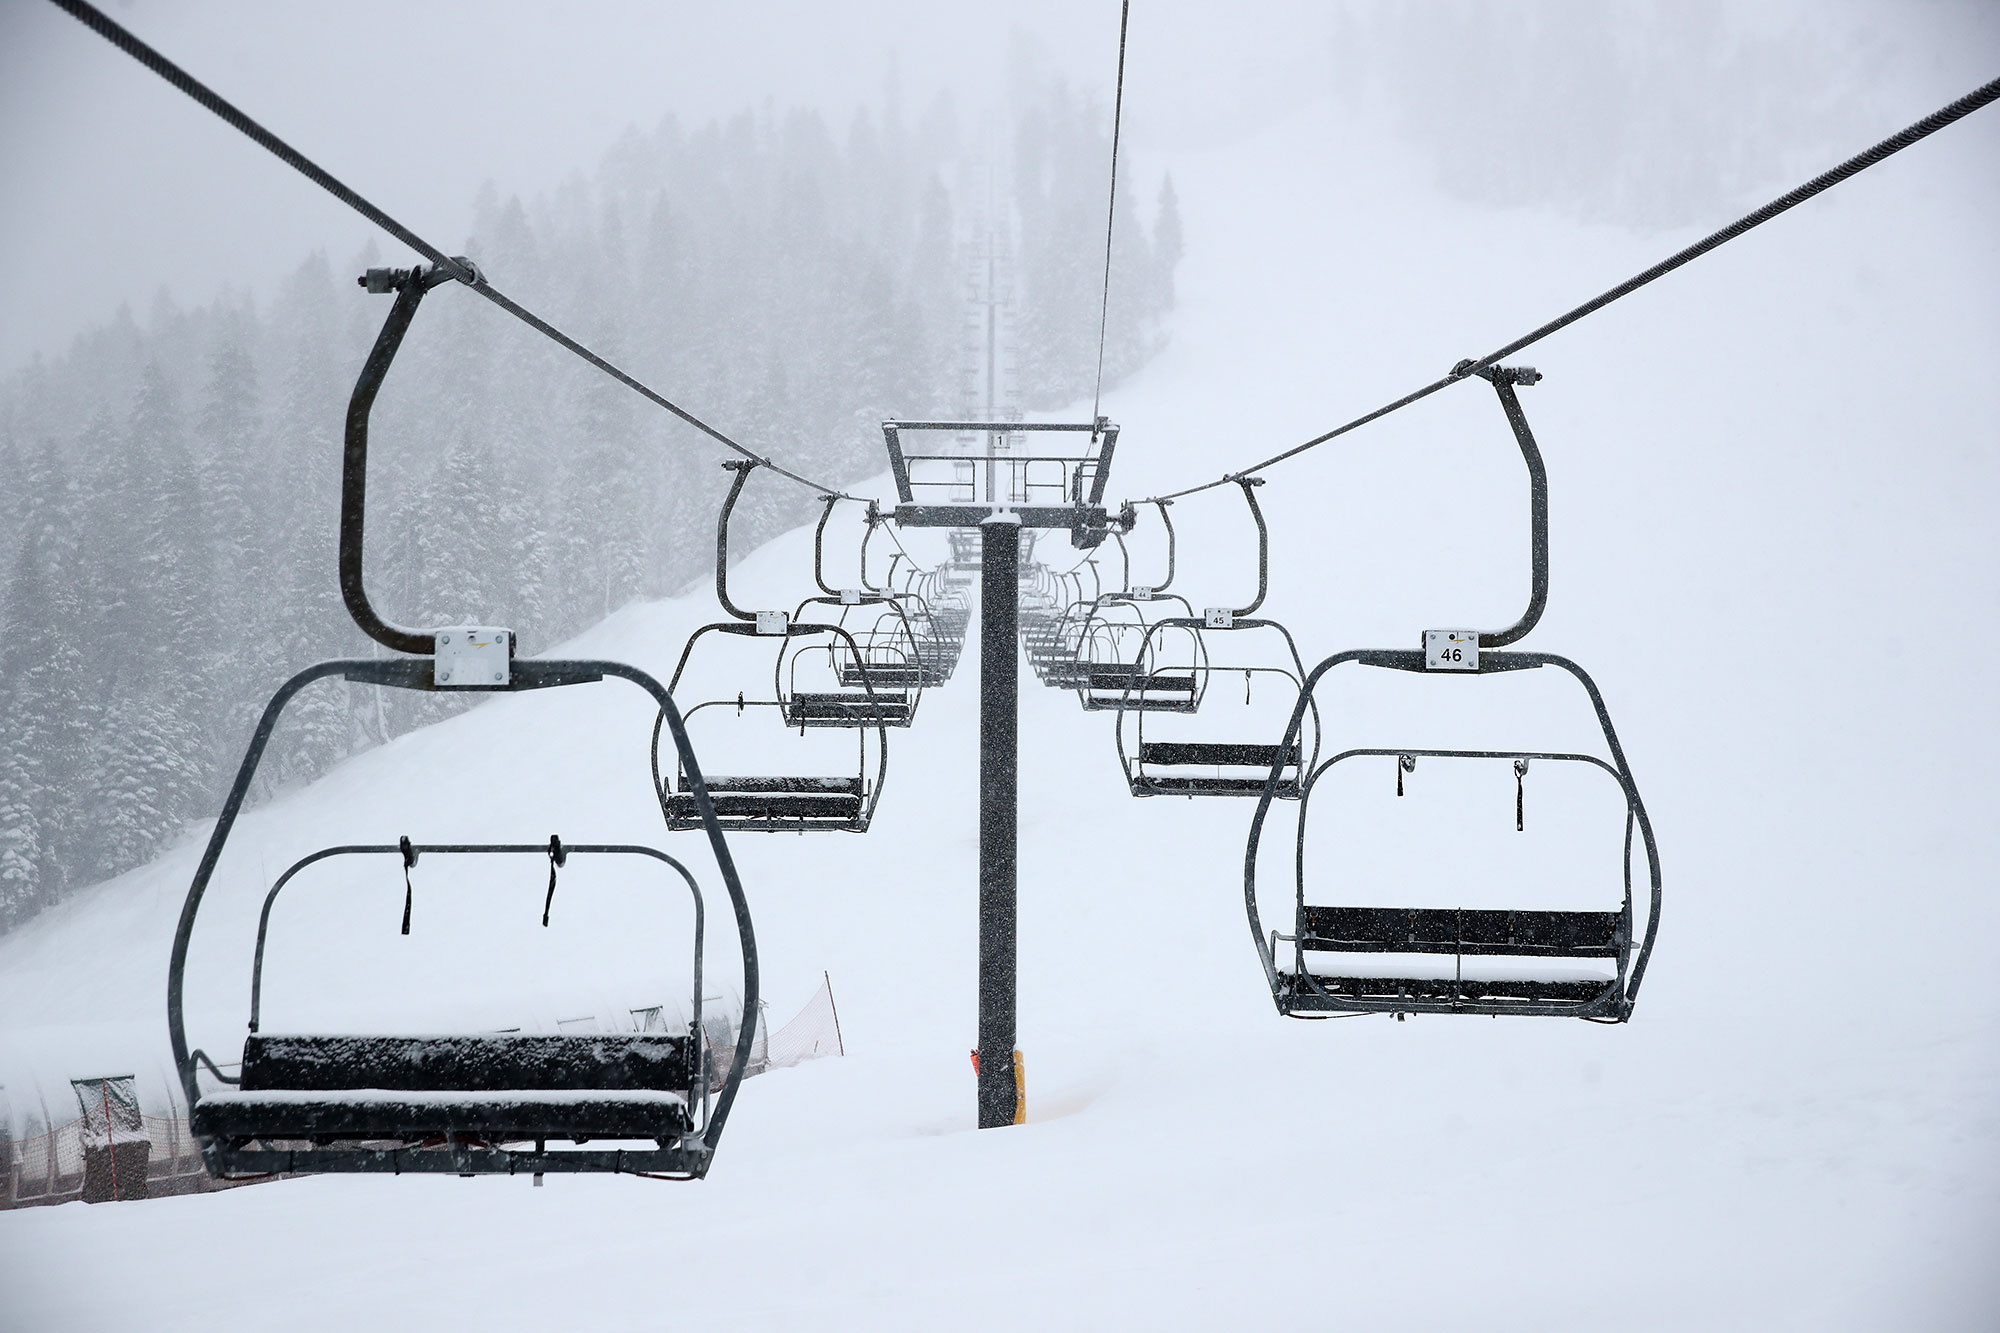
1503,379
875,519
819,546
1168,520
1250,485
742,467
409,286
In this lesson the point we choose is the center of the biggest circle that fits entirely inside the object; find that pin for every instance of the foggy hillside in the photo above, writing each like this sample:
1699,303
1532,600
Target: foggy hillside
168,536
1771,481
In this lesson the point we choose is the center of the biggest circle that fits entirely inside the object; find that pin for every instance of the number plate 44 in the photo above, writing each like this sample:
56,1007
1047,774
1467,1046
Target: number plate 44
1451,650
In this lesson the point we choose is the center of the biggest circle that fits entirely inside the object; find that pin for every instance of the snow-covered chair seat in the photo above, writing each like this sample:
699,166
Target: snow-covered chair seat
893,675
745,802
834,708
496,1087
1147,780
1116,686
1483,955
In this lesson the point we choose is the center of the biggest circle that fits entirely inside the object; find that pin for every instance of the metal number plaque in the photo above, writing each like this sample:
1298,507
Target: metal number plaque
469,655
1451,650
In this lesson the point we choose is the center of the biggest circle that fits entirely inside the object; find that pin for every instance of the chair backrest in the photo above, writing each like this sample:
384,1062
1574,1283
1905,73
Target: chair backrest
619,1062
1469,931
792,786
1211,752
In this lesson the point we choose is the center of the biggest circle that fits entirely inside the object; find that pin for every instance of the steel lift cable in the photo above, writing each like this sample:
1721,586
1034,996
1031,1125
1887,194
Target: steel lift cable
1111,209
454,266
1895,143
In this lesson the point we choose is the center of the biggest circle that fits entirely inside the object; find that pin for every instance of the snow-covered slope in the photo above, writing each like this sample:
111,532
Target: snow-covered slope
1772,479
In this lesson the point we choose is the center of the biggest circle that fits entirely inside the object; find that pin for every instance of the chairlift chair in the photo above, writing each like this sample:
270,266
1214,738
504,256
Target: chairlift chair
1481,960
1053,641
785,802
939,632
891,655
1162,756
870,699
1178,662
876,677
316,1102
466,1104
1122,666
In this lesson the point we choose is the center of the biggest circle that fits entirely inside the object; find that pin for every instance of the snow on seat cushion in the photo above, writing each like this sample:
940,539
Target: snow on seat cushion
1433,967
469,1062
397,1113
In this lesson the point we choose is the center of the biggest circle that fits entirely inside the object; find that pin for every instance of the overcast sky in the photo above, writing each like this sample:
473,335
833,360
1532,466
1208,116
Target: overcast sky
116,185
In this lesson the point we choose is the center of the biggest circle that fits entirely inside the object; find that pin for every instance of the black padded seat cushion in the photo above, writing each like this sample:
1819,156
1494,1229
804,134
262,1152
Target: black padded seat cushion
900,676
549,1062
1446,990
789,786
780,807
846,708
1181,786
775,799
1119,678
1172,753
499,1085
387,1114
1468,931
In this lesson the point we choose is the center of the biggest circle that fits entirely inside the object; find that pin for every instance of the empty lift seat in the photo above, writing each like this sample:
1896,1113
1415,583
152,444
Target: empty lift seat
760,804
1518,958
489,1086
1108,687
903,675
840,709
1212,757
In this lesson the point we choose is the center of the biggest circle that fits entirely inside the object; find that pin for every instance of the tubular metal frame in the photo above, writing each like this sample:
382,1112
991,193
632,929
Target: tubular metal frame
871,793
689,1158
1205,669
473,849
1503,379
1098,630
744,623
1296,996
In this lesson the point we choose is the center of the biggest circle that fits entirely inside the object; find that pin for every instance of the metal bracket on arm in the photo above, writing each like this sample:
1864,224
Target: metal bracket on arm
1503,379
409,285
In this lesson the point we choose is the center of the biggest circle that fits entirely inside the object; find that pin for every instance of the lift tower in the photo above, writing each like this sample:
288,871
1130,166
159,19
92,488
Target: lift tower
990,479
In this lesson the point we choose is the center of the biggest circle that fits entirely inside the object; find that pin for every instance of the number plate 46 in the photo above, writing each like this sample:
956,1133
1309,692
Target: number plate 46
1451,650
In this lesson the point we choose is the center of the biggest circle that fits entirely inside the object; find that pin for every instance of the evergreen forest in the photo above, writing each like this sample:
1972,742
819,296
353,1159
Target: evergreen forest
167,530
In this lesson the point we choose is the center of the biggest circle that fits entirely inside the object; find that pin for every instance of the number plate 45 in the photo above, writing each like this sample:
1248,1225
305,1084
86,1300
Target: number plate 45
1451,650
